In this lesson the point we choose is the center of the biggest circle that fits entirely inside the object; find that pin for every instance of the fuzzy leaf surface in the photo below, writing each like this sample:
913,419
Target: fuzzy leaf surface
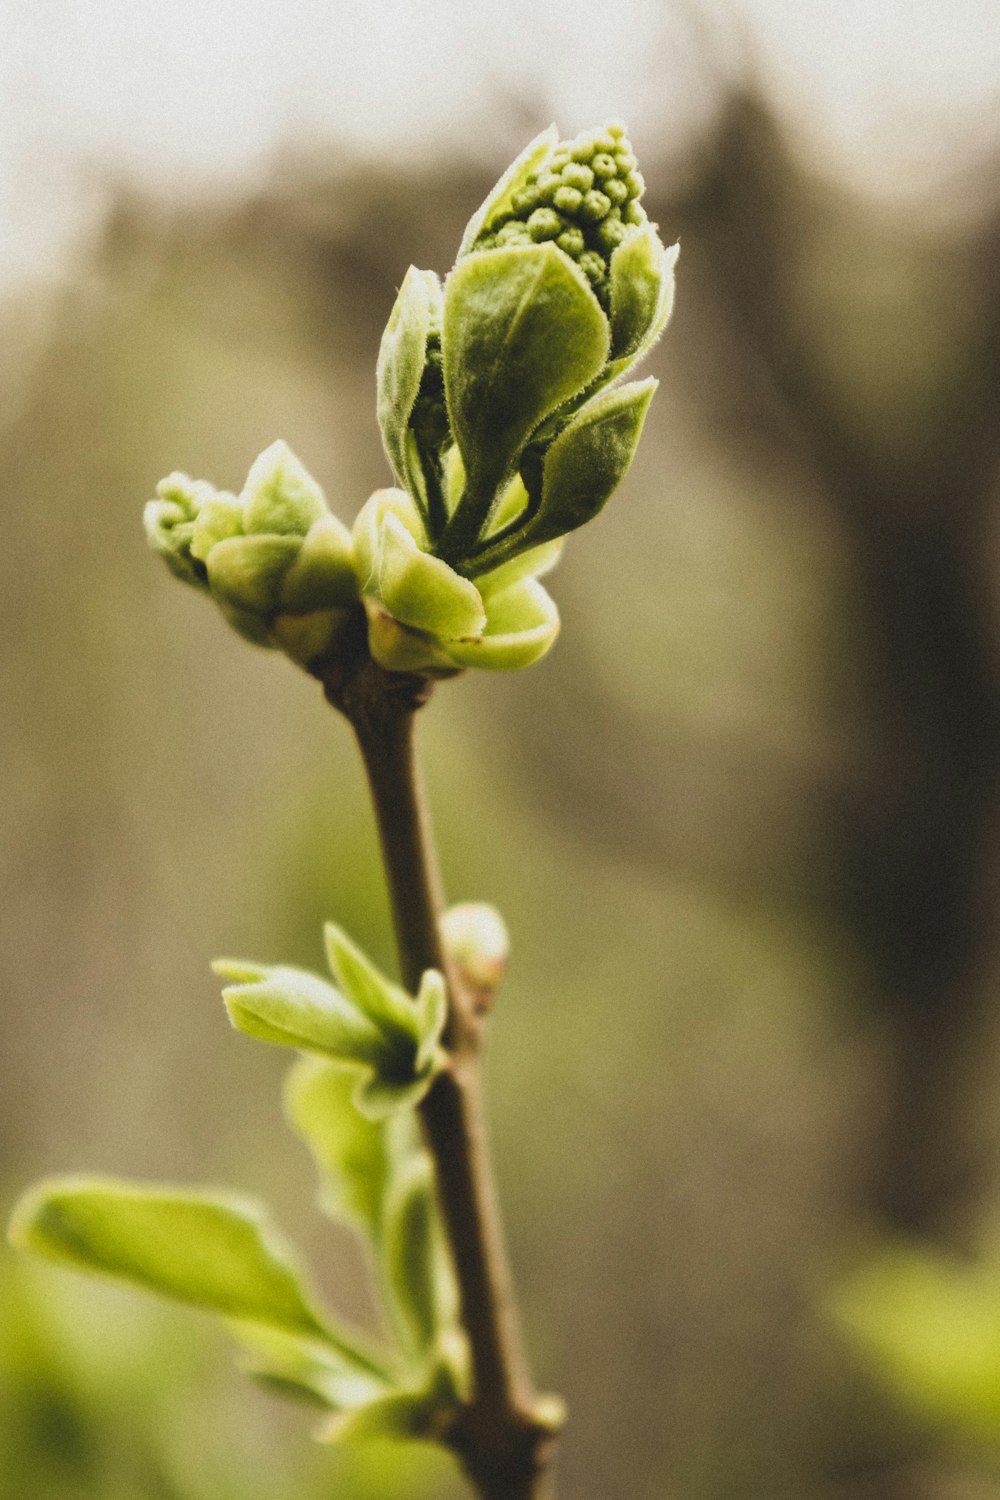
522,332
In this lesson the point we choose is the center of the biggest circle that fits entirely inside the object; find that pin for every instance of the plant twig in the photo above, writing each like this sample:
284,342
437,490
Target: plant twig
504,1444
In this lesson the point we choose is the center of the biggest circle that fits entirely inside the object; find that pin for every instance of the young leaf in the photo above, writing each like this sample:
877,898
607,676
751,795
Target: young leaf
522,332
422,591
379,1095
432,1013
296,1009
400,369
417,1266
426,1413
588,460
213,1250
280,495
247,572
516,175
322,575
356,1157
385,1004
339,1378
522,622
642,292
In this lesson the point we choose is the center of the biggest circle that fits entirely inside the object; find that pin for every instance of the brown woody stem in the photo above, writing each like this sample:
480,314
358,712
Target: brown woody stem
504,1445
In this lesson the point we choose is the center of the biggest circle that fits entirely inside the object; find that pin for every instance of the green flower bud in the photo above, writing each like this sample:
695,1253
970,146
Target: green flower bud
497,418
491,405
278,564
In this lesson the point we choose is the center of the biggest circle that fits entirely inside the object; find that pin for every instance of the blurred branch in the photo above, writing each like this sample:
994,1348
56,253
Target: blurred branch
917,840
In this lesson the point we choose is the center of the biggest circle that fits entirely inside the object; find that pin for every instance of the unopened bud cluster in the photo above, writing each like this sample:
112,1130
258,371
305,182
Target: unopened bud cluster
585,199
503,420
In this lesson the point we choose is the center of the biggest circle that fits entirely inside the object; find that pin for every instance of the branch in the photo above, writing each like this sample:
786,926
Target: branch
502,1441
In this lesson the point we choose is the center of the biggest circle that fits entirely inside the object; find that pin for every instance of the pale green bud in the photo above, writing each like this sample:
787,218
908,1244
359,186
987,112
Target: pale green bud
278,564
170,521
475,938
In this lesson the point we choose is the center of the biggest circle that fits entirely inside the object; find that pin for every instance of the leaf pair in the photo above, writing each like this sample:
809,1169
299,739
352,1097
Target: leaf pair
215,1251
369,1024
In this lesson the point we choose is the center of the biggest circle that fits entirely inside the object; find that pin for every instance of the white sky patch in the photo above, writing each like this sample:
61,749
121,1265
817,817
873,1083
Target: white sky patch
184,93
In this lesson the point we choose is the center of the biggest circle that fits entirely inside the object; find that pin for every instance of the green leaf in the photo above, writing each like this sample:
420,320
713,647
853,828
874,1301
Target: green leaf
212,1250
403,1416
306,637
432,1013
422,591
368,525
397,648
642,292
400,368
381,1094
387,1005
322,575
929,1324
521,625
246,572
424,1414
588,460
170,521
357,1158
280,495
522,332
220,516
339,1378
499,200
417,1264
293,1008
250,626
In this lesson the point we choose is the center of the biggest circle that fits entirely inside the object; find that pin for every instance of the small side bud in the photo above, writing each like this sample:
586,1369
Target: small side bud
277,563
170,522
475,939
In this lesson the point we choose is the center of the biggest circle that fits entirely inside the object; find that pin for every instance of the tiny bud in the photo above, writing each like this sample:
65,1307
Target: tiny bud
527,199
594,206
544,224
592,266
572,242
567,200
578,176
610,234
476,939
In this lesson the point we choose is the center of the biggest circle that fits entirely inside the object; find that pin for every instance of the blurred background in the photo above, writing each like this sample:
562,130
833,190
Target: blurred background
743,822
